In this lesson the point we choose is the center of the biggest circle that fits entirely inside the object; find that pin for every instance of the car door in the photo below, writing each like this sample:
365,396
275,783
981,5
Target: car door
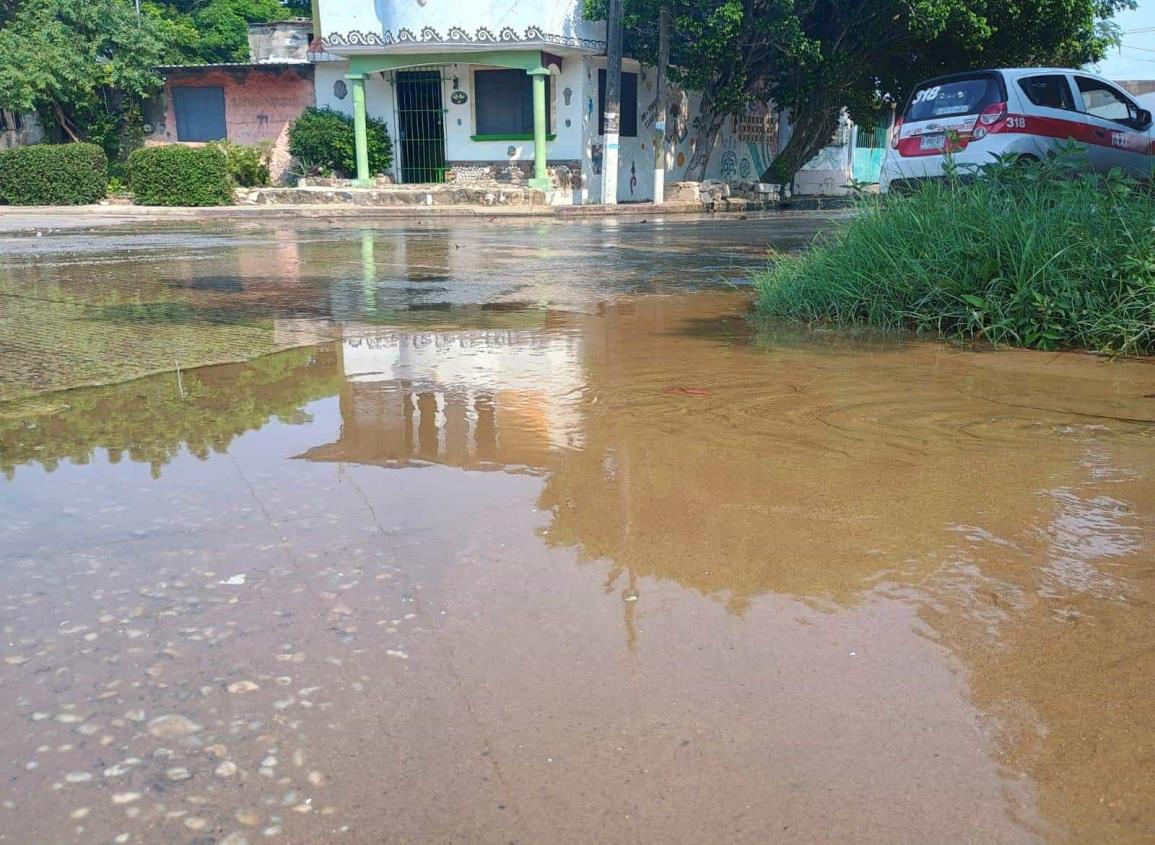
1053,118
1117,137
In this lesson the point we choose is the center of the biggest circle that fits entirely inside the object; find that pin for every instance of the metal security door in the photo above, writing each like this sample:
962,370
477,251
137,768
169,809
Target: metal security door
420,125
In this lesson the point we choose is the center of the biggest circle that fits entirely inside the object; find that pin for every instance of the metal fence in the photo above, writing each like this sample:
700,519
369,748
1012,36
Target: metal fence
871,139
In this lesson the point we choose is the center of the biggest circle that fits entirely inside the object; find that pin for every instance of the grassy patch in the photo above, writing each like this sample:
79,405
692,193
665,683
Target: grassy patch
1038,255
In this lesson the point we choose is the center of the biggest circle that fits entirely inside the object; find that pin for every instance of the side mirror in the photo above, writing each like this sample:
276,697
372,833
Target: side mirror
1143,118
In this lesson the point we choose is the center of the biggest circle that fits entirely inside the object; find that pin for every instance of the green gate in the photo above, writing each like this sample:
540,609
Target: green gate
870,142
420,125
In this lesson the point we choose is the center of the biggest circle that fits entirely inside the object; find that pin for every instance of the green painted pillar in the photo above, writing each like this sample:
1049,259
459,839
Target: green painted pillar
540,179
360,128
369,272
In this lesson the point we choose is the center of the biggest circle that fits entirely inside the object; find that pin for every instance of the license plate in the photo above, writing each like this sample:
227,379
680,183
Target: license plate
932,142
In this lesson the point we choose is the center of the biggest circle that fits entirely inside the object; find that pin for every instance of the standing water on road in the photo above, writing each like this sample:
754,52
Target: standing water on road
532,537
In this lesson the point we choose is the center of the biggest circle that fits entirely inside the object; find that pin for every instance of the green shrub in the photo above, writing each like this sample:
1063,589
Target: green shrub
322,140
248,166
179,175
1038,254
53,174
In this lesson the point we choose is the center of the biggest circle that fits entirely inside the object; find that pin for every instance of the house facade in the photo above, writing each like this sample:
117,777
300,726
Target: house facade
513,91
250,103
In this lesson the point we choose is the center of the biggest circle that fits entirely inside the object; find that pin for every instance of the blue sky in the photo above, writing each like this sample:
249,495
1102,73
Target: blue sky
1136,59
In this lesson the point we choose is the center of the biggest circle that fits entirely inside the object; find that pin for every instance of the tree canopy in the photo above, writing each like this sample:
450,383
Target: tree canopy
812,58
220,27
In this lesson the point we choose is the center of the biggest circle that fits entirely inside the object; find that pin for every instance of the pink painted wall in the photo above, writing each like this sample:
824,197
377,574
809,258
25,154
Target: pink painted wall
260,103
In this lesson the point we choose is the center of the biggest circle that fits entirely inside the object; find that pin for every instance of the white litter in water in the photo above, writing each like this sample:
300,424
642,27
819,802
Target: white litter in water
235,581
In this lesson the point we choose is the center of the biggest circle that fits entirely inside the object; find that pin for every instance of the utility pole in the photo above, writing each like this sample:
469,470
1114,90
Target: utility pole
315,13
613,110
660,117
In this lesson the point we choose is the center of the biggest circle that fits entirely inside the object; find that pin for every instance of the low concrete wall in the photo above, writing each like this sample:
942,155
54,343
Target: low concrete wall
563,174
418,196
30,131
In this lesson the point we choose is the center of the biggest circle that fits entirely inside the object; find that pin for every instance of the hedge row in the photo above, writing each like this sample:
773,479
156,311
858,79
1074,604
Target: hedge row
176,175
53,174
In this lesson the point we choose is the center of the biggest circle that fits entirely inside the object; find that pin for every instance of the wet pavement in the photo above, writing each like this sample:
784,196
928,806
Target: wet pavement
585,558
89,308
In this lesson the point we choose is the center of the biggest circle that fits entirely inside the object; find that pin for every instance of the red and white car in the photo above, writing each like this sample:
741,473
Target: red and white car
1020,112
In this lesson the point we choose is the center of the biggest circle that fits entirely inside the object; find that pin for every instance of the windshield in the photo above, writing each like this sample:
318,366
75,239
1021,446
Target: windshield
953,98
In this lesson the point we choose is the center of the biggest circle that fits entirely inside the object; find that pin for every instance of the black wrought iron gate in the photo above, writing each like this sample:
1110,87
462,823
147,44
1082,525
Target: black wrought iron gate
420,124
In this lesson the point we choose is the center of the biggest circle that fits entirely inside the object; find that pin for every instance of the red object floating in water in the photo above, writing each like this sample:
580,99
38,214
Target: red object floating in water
686,391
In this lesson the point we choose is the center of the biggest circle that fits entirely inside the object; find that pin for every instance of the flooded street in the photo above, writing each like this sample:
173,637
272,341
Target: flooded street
524,534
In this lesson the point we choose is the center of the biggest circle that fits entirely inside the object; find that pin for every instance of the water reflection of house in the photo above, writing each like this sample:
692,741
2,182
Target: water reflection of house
476,399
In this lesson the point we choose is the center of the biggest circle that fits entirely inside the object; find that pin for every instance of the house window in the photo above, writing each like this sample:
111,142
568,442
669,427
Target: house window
200,113
503,104
629,122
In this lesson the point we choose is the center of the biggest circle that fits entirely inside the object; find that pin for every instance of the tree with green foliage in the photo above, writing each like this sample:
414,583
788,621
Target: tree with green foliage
70,59
812,58
86,65
223,27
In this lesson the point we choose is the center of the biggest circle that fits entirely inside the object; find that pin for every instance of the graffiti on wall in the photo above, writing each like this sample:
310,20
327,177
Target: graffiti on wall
834,155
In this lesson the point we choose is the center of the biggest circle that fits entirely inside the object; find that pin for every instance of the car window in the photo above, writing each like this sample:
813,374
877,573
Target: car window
953,98
1050,91
1101,100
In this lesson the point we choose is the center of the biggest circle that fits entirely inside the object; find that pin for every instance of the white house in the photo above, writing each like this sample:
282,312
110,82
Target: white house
512,90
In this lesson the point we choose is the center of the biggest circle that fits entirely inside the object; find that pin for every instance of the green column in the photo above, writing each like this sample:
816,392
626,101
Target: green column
540,179
368,272
360,128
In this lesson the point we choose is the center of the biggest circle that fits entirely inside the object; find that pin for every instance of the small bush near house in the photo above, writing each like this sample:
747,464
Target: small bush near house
1036,254
53,174
248,166
178,175
322,139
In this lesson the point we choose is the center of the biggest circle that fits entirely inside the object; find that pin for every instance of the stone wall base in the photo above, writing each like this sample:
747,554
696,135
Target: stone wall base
396,195
564,175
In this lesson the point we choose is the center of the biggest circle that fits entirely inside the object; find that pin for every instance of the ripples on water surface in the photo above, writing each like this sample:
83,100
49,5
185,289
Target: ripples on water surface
625,573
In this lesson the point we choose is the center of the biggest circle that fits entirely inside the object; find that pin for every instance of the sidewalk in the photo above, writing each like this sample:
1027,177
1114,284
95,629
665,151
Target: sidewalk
39,219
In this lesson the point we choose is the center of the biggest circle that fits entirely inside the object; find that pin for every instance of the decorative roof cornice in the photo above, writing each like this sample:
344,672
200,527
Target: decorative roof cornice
457,36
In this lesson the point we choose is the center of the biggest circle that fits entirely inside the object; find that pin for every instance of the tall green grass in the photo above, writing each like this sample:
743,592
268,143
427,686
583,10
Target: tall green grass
1038,254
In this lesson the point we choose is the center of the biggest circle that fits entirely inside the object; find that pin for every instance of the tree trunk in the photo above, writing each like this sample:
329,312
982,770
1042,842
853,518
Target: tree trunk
812,130
709,125
65,123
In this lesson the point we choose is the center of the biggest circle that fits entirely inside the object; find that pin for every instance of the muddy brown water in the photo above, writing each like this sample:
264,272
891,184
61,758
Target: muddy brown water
632,571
